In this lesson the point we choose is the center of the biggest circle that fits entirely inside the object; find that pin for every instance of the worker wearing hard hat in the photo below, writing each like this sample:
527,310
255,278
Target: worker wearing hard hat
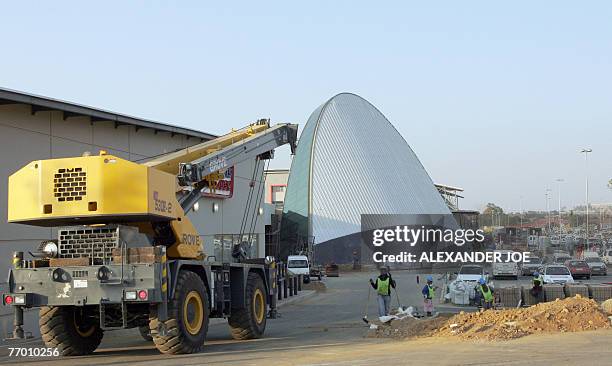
383,285
485,293
538,282
429,291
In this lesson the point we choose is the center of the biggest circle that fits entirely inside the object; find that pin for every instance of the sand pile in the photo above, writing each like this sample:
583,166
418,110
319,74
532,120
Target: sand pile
569,315
408,327
606,306
315,285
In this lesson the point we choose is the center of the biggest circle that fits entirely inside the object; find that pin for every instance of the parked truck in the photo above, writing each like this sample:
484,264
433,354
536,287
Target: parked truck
126,254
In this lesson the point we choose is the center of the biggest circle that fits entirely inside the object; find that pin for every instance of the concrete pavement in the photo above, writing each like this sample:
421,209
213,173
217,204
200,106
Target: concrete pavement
322,329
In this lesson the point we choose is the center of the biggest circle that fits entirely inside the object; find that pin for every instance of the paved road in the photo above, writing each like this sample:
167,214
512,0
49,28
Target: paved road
326,325
326,319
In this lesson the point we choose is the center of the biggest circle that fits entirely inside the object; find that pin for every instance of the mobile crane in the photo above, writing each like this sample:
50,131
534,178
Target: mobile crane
126,253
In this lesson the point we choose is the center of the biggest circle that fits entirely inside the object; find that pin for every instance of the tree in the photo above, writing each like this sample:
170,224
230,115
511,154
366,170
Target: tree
492,215
492,208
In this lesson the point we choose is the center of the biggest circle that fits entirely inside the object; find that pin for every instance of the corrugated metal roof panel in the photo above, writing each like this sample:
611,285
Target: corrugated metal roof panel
357,164
73,109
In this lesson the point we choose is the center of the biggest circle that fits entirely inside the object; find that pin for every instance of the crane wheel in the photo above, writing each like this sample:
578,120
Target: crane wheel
68,329
188,315
250,322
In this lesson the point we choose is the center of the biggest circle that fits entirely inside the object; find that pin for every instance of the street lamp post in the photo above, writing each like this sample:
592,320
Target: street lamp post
521,203
547,195
559,181
586,152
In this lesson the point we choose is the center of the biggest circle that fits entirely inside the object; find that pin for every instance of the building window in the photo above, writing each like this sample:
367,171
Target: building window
278,194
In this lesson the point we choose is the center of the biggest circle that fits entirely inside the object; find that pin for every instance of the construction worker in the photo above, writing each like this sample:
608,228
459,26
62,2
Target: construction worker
485,293
429,291
383,285
537,281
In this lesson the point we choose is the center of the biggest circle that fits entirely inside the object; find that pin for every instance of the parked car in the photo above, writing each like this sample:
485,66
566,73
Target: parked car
505,269
555,273
471,273
534,264
608,257
589,254
298,265
317,272
597,266
332,270
578,268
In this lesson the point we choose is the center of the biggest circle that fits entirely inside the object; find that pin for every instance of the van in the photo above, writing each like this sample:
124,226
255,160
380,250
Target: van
503,269
299,265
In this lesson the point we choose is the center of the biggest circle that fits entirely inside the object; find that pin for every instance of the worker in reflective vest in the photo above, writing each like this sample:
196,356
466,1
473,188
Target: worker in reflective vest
428,292
486,294
538,282
383,285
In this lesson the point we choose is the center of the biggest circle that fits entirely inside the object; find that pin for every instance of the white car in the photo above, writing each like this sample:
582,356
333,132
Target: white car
505,269
471,273
597,265
607,258
557,274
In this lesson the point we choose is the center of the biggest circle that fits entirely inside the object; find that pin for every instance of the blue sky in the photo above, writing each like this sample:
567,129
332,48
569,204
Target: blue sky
495,98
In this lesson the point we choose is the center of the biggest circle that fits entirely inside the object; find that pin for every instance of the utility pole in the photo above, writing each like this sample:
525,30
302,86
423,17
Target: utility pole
586,152
547,195
521,204
559,181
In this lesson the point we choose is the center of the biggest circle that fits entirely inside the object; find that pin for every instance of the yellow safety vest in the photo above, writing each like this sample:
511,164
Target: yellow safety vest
383,286
488,296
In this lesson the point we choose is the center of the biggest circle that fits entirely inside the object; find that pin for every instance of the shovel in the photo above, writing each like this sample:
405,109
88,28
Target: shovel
399,304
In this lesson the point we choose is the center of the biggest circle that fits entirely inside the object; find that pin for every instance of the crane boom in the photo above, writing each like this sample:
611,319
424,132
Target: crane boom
192,173
170,162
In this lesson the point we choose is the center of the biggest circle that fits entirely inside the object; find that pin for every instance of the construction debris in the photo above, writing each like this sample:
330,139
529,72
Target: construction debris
409,327
573,314
606,306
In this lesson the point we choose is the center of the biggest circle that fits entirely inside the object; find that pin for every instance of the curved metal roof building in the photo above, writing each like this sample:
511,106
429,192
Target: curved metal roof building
350,161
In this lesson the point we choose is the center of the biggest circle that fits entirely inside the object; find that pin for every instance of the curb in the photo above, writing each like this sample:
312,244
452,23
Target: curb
304,294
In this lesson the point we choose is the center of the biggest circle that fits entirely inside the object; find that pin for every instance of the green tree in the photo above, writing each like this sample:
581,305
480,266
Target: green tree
492,208
492,214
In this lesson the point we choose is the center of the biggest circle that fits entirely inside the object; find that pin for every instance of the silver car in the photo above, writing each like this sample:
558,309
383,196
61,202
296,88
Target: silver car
534,264
598,267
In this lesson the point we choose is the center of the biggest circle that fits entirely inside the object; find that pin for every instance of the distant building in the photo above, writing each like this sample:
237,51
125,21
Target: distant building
276,187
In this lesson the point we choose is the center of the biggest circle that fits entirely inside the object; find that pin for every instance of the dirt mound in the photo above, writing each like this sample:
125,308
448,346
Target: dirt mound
607,306
315,285
408,327
572,314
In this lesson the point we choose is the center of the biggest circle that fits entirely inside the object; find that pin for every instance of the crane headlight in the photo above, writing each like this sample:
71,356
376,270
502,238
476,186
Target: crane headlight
50,249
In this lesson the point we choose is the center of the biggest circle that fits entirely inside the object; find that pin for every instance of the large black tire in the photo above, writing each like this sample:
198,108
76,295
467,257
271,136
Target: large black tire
188,316
67,329
250,322
145,332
